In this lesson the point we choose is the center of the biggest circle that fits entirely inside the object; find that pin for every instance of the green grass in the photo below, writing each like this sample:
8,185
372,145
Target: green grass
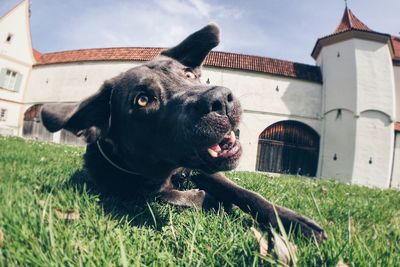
38,179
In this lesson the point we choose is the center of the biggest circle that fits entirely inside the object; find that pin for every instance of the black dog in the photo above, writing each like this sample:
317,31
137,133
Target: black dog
145,124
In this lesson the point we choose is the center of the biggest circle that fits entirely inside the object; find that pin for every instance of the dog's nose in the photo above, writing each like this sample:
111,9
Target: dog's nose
218,99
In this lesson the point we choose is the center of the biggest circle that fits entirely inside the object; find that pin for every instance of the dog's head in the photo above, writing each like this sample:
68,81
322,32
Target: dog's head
160,111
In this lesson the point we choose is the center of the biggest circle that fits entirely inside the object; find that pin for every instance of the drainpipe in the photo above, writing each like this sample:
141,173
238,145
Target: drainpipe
393,158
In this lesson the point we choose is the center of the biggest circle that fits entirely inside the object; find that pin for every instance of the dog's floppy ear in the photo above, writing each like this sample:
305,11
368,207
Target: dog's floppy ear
88,116
193,50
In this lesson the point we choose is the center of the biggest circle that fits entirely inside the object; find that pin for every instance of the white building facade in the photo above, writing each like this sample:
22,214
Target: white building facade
338,119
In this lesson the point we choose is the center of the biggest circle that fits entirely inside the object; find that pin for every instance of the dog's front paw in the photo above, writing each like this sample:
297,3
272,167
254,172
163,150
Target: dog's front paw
307,227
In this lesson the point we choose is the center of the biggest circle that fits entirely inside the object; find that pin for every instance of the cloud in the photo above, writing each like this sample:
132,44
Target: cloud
178,7
202,7
127,23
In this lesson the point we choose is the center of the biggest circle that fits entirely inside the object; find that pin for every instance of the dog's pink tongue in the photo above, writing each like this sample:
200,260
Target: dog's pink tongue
216,147
213,150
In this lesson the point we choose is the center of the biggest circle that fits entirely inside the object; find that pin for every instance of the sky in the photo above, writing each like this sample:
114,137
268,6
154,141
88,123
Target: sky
283,29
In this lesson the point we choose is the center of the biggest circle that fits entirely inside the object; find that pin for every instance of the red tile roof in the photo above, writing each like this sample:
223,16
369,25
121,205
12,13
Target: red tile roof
36,54
396,48
397,126
350,22
100,54
215,59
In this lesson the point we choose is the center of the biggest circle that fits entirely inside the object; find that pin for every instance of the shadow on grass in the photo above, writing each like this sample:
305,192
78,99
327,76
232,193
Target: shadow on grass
138,211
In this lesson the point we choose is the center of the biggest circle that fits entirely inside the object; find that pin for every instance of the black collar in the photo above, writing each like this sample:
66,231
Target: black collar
111,162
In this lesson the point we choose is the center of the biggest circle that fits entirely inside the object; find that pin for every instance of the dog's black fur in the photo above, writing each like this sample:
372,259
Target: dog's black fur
154,119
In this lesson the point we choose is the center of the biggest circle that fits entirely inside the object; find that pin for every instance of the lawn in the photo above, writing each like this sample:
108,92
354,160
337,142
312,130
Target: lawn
50,215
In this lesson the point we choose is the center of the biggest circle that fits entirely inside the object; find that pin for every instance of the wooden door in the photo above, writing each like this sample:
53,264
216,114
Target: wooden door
288,147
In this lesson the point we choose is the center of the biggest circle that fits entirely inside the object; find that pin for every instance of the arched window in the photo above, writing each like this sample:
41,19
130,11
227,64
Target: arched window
288,147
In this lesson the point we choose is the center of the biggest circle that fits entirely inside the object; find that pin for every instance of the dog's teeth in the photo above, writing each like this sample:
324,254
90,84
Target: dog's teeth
212,153
232,138
216,148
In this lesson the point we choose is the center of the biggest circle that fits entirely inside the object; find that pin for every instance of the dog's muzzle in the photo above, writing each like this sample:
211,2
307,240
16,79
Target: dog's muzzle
212,136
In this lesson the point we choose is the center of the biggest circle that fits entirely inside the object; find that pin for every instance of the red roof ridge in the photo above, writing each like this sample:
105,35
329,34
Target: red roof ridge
258,57
349,22
102,48
36,54
155,48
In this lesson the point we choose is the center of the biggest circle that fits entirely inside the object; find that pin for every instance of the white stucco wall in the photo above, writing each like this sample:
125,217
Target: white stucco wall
374,141
375,80
396,163
258,92
338,138
376,110
338,66
358,80
396,71
10,125
66,82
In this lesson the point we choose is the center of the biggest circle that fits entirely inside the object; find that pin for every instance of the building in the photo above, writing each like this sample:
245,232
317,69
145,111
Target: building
338,119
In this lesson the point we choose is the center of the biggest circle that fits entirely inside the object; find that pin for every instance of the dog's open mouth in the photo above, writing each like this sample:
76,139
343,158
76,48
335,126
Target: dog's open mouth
222,156
227,148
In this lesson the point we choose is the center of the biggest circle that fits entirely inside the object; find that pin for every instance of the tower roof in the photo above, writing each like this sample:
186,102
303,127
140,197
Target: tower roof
350,22
351,27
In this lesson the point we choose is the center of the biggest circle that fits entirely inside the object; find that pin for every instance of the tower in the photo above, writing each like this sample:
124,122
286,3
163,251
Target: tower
358,103
16,60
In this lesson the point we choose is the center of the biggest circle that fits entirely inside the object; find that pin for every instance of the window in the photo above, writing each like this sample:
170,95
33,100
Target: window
9,38
3,114
10,79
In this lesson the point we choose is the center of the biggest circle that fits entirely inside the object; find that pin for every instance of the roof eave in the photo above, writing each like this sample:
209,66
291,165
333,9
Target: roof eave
397,126
316,79
346,35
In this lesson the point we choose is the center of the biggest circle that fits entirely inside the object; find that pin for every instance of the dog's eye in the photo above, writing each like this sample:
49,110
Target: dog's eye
190,75
142,100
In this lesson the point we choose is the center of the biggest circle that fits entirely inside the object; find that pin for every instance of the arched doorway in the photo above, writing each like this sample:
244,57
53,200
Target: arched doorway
288,147
33,128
